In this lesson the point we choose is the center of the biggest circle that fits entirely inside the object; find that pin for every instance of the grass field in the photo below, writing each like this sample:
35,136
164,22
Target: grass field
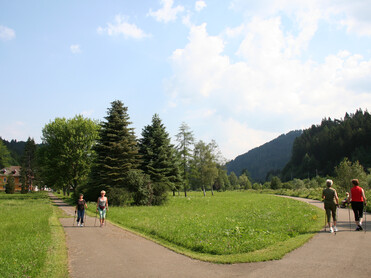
228,227
32,239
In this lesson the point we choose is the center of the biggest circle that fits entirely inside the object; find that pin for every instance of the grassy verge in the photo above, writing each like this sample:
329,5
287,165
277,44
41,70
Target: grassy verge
32,239
227,228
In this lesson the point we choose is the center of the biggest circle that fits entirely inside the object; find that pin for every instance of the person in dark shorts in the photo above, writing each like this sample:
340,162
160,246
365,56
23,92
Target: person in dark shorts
331,201
80,208
358,200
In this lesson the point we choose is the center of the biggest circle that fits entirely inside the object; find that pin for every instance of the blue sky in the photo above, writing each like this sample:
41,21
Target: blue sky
239,72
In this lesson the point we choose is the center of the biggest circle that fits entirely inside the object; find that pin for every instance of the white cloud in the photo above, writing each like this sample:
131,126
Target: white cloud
353,15
6,33
121,26
238,136
167,13
271,89
75,48
200,5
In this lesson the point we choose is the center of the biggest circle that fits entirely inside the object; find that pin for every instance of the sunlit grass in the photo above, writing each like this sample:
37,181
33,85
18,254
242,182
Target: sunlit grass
30,236
227,227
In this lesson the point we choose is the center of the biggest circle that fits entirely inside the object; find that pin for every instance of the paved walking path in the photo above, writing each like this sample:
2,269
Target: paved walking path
114,252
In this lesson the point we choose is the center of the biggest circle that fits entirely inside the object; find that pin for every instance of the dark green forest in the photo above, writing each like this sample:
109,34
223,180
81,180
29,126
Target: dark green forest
268,158
322,147
16,149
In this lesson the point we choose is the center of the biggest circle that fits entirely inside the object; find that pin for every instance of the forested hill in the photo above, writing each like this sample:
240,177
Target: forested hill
273,155
322,147
16,149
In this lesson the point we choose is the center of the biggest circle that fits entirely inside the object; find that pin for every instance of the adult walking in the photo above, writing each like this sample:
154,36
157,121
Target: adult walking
358,200
331,201
102,207
80,207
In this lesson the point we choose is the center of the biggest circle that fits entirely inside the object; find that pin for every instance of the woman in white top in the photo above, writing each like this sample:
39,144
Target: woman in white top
102,207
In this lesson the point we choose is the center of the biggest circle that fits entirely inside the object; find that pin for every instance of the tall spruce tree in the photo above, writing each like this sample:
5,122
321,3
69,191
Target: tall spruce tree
28,165
116,151
158,159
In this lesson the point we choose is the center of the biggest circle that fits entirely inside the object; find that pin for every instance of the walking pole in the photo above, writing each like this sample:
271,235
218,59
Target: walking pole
365,217
325,221
337,215
95,222
74,217
105,220
85,217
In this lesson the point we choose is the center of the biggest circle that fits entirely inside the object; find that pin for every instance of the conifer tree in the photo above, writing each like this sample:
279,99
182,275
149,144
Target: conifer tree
185,140
158,159
5,157
116,151
28,165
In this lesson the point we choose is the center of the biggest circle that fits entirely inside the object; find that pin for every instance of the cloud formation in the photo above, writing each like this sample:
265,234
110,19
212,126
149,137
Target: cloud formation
6,33
167,13
268,86
121,26
200,5
75,48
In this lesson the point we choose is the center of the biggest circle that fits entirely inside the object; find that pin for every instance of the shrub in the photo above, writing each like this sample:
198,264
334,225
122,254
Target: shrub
119,197
140,184
10,186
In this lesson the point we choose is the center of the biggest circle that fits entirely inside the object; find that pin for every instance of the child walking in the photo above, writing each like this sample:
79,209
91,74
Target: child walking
80,207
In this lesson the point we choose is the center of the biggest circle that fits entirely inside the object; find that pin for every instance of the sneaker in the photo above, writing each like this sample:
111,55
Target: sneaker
360,228
336,229
331,230
82,225
78,224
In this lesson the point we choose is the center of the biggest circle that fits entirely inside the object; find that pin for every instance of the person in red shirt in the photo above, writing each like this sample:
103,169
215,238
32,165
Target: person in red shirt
358,200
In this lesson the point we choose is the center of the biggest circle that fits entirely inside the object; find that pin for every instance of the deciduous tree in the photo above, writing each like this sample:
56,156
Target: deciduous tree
68,154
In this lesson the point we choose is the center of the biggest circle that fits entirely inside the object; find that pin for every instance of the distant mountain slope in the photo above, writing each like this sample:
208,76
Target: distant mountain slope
16,149
273,155
322,147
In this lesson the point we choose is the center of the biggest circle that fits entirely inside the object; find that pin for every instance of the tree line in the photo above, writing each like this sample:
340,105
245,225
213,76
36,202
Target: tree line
80,155
83,155
322,147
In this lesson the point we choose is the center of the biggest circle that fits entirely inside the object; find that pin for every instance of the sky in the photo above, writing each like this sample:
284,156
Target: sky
239,72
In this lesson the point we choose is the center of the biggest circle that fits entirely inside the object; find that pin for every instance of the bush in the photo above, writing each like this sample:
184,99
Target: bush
119,197
10,186
140,185
276,183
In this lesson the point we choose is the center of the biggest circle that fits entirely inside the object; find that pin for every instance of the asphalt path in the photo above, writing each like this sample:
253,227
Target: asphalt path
110,251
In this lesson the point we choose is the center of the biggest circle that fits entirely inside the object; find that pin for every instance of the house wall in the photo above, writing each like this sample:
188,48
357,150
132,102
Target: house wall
4,178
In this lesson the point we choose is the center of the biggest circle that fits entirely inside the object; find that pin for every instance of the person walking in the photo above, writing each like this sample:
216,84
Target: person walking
331,201
102,207
80,208
358,200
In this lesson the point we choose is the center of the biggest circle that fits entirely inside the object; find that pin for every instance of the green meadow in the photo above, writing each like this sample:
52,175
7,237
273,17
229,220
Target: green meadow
229,227
32,239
